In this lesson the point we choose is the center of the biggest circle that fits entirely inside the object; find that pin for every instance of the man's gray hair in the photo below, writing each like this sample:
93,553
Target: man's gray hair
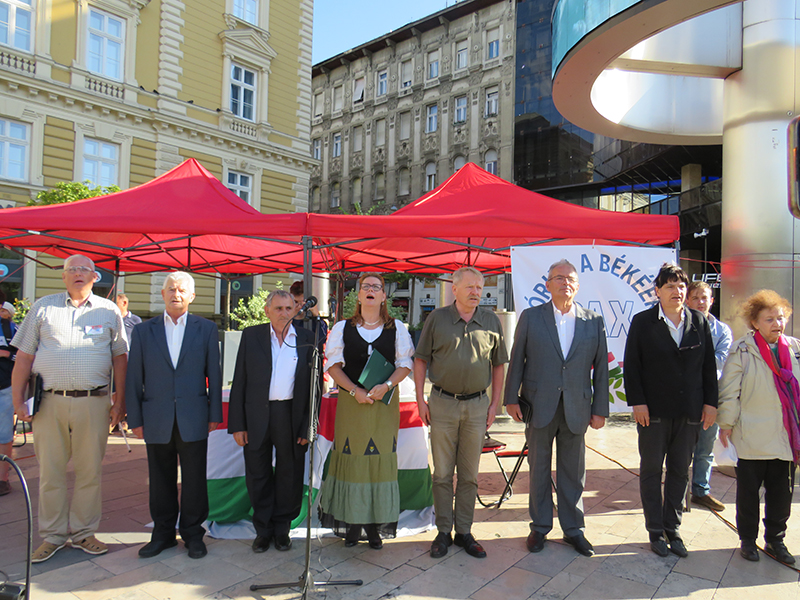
74,256
459,274
181,278
561,263
276,294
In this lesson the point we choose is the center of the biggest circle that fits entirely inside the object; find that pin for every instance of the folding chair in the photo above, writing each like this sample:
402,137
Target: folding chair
498,449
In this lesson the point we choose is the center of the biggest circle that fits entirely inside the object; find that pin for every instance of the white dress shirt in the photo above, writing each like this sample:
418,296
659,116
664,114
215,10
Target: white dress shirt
676,331
284,365
565,325
175,333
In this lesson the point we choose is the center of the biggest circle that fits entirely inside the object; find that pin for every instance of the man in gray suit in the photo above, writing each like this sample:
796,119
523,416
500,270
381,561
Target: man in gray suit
559,368
171,358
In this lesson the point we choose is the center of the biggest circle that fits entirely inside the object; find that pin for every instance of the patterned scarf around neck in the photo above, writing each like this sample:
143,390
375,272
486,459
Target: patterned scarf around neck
788,388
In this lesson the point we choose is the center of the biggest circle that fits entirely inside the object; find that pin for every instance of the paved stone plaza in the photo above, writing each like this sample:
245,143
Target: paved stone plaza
624,567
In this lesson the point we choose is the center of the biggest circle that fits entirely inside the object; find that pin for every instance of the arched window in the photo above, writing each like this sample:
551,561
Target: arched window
430,176
380,186
315,205
459,162
335,196
490,158
357,189
403,182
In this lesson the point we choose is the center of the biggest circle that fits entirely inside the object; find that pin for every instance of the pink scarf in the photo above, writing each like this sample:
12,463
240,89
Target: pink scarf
788,388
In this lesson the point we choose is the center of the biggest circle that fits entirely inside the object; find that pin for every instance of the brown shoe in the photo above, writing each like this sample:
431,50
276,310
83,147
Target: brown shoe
709,502
45,551
91,545
5,488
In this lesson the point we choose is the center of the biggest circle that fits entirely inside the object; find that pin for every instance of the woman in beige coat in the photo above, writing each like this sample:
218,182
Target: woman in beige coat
759,404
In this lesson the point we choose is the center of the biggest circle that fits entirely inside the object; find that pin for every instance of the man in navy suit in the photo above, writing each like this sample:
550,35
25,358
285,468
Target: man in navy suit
268,409
171,358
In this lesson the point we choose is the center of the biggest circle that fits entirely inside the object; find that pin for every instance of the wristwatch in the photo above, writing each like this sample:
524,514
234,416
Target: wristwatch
353,392
389,383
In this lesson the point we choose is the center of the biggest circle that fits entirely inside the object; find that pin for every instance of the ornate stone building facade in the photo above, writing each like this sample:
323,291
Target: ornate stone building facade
395,117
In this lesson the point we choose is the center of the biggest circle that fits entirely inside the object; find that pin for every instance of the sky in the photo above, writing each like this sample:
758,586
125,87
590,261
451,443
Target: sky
340,25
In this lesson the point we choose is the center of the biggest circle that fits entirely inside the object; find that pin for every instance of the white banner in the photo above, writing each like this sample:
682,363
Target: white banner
615,281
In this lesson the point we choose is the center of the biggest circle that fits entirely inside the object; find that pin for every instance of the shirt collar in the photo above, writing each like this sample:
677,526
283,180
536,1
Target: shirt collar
476,316
181,319
663,316
68,300
558,313
289,333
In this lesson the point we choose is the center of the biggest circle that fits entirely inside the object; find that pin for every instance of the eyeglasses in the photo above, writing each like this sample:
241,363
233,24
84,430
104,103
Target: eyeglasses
75,270
562,279
371,287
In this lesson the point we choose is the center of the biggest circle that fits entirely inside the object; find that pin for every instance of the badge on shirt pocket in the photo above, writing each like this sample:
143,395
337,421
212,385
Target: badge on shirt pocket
93,330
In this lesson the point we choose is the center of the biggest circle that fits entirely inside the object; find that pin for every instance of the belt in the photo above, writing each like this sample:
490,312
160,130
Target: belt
103,391
458,396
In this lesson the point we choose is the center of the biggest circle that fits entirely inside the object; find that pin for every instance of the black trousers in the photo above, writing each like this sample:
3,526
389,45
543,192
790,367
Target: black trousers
276,493
777,476
162,464
672,440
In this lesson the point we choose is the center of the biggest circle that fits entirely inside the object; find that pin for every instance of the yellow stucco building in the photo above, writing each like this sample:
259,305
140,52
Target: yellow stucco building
120,91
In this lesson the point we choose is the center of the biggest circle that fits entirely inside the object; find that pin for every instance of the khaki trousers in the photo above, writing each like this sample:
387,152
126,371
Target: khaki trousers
458,428
65,428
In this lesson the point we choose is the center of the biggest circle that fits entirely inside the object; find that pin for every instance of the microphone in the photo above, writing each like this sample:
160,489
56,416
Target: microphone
310,303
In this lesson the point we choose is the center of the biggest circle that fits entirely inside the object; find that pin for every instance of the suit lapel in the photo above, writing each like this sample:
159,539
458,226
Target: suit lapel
265,342
687,328
190,337
580,330
160,333
550,325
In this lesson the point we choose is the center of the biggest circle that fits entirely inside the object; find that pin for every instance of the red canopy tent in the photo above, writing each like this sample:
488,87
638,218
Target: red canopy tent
475,218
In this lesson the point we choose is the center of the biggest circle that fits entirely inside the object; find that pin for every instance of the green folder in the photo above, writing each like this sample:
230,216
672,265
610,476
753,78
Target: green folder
377,370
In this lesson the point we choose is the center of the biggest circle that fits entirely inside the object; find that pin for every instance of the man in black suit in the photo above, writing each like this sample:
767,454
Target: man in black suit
268,409
171,358
671,383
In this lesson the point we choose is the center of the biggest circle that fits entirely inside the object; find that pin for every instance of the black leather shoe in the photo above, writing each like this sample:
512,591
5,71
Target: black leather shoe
580,543
470,545
197,548
283,542
779,551
659,546
156,547
535,541
375,541
749,550
353,535
440,545
261,543
677,546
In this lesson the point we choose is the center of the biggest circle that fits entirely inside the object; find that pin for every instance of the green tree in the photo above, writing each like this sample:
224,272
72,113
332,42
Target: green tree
250,311
70,191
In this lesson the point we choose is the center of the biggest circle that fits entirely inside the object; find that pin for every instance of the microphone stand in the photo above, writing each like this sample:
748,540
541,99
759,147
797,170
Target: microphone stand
306,581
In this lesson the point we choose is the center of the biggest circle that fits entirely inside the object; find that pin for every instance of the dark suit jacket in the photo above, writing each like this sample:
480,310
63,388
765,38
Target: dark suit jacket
156,393
674,382
248,407
540,371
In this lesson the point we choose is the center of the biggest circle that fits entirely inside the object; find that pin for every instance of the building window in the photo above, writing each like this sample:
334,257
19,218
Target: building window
335,195
338,97
14,145
247,10
315,198
100,162
16,24
380,132
316,149
404,182
383,82
406,74
491,101
337,145
380,186
461,109
358,90
319,103
240,184
243,92
106,44
358,138
491,161
430,176
405,125
462,54
357,190
432,121
493,42
433,64
459,162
